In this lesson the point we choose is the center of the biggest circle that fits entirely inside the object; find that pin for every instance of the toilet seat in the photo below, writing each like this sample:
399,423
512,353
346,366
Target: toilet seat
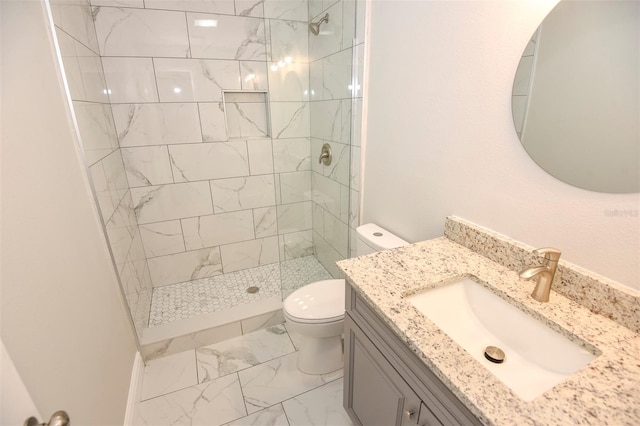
320,302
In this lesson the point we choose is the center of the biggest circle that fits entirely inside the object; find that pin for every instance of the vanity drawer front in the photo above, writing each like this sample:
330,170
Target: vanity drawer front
377,395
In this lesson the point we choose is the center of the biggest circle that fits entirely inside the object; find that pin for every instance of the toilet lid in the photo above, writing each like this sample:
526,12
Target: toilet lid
321,301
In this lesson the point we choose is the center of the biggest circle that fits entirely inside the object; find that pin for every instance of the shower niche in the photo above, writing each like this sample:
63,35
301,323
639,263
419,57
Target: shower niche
246,114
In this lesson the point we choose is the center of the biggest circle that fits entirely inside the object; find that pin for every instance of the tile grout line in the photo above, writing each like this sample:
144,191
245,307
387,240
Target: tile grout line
306,391
310,390
244,401
195,355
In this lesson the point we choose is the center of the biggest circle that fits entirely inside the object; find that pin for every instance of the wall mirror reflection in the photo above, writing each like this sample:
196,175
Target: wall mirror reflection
576,95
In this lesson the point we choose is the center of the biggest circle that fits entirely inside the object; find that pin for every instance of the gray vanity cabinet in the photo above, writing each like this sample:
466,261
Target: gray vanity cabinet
385,383
379,396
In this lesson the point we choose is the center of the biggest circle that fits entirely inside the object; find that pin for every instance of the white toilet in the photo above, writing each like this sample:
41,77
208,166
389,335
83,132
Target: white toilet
315,312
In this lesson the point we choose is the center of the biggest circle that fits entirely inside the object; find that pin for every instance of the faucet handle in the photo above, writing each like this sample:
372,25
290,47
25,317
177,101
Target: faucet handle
550,254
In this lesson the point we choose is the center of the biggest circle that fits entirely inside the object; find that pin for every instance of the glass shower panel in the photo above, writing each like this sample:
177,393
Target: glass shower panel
86,80
330,96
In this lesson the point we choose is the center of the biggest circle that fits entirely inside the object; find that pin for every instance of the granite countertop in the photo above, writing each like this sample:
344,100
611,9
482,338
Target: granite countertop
606,391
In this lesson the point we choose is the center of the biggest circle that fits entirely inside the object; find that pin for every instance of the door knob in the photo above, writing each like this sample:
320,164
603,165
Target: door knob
59,418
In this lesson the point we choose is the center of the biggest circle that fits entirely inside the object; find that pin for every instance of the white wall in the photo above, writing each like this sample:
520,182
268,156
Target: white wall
15,401
64,322
440,138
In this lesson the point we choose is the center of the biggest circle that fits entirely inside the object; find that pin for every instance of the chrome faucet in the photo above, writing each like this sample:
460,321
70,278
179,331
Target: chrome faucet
544,274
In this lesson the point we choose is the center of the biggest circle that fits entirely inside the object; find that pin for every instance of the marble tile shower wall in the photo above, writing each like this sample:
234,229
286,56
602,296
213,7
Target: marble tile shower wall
83,68
207,202
336,72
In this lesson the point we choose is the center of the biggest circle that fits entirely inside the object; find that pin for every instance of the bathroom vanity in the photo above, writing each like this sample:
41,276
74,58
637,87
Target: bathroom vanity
402,369
387,384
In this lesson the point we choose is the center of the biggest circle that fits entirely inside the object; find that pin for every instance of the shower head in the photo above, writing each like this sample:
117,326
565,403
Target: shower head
314,27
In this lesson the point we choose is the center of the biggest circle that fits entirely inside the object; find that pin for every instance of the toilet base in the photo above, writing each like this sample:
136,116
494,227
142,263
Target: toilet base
320,355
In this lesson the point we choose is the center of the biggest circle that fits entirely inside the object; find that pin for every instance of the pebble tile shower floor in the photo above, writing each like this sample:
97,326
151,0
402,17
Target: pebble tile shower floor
205,295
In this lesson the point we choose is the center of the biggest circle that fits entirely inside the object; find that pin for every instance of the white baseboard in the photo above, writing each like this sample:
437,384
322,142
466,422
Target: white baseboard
135,392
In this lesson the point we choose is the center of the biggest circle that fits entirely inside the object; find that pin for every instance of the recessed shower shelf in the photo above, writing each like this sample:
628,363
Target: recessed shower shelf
246,114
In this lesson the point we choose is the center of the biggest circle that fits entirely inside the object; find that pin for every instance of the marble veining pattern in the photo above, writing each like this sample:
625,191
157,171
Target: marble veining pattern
214,230
147,166
155,124
277,380
210,403
190,162
212,122
249,254
130,80
321,406
296,244
273,416
83,69
168,374
162,238
242,352
157,32
603,392
290,119
185,266
191,298
233,37
95,123
295,10
193,80
265,223
166,202
76,19
247,119
242,193
260,156
261,365
295,187
250,8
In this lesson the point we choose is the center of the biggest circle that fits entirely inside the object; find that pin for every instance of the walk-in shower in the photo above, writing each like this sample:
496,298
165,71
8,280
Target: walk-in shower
201,131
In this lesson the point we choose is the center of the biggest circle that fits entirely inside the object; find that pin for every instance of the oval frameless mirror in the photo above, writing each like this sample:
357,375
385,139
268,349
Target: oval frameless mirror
576,95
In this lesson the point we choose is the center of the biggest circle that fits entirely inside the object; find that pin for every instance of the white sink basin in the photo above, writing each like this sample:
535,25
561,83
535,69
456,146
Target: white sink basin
536,357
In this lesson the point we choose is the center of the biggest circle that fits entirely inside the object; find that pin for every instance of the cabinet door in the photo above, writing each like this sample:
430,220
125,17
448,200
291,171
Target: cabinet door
427,418
375,394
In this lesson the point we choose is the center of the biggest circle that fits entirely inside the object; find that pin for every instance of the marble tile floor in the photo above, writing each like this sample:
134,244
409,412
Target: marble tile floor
247,380
205,295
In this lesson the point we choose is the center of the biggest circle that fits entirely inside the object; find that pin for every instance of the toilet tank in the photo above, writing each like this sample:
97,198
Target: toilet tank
372,238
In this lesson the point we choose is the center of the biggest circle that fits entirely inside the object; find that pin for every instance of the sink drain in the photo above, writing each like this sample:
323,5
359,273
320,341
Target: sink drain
494,354
253,289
